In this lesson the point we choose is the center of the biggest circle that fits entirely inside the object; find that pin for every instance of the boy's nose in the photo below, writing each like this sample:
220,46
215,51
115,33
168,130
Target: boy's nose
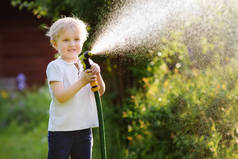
72,43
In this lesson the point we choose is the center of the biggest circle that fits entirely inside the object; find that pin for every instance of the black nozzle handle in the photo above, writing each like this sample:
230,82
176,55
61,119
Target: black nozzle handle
85,59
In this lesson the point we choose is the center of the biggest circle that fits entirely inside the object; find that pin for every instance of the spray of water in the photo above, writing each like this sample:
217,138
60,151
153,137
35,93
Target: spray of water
138,22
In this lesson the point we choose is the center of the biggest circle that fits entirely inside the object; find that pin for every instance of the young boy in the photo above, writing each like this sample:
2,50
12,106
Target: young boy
73,109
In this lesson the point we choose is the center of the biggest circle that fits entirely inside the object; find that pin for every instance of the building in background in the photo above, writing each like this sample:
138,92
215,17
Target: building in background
24,48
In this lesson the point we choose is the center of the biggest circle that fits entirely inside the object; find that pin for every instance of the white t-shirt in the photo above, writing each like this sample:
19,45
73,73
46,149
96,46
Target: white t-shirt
79,112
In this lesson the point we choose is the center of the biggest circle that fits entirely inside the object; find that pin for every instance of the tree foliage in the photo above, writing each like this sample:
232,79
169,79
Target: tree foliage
91,11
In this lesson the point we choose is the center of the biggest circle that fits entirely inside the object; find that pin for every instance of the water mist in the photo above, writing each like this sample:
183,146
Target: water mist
137,23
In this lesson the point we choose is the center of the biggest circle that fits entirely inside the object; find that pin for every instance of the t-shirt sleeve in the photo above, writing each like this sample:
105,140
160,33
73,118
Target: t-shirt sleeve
54,73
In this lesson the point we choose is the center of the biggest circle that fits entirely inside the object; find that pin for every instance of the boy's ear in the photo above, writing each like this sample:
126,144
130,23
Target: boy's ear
53,43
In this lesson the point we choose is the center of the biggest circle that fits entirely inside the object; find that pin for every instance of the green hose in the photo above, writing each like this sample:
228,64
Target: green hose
101,125
84,58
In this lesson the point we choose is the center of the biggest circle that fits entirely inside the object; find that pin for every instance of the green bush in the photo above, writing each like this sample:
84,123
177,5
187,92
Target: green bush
185,113
28,108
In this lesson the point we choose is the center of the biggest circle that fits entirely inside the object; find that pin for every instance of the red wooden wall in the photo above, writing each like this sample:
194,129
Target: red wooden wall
24,48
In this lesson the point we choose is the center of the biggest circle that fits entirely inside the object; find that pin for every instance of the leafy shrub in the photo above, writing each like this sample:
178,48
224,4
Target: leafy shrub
27,108
184,114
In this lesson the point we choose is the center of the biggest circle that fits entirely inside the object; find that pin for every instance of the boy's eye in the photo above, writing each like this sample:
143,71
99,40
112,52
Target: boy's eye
77,39
65,40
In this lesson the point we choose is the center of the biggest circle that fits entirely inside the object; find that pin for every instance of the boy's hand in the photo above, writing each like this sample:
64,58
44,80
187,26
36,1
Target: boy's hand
95,68
87,76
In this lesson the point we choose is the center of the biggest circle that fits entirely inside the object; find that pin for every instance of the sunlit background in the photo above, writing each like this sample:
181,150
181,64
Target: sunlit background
170,69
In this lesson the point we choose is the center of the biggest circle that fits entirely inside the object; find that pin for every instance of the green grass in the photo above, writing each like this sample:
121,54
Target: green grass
18,144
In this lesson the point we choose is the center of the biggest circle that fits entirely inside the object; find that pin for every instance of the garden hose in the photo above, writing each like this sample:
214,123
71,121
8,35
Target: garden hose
84,58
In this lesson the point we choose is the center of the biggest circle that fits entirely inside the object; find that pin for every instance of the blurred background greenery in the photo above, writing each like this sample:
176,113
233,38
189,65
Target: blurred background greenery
177,100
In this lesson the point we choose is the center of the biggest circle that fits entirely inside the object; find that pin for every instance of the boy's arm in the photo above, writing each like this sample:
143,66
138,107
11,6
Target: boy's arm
63,94
101,84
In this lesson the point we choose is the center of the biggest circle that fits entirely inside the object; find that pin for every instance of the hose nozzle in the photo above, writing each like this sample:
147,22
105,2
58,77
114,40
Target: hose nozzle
84,58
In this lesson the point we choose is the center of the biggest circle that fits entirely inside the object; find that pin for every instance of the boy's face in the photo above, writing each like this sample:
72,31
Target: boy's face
68,43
